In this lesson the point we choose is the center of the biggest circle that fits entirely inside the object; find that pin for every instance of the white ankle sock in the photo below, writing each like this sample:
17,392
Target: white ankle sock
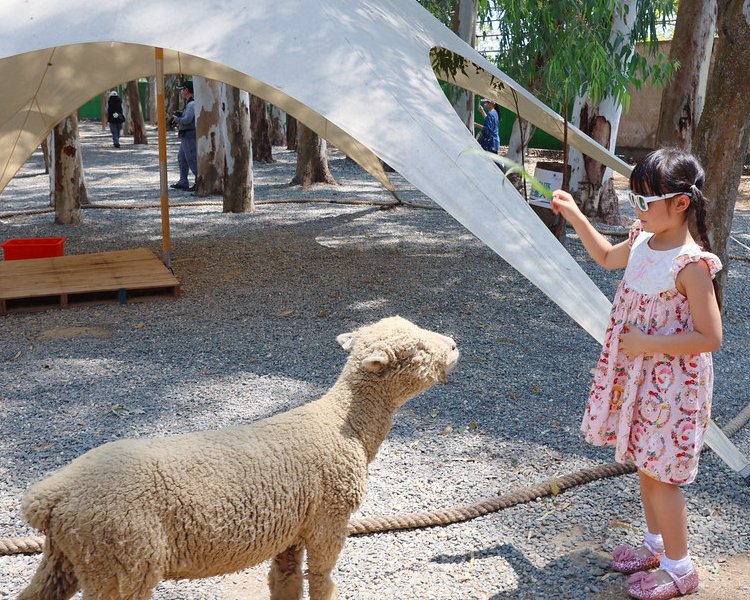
654,542
677,567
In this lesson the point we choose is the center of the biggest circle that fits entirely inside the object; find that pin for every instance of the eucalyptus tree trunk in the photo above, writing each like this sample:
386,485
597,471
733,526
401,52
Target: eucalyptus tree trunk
260,116
723,133
590,181
239,193
172,96
151,116
291,133
134,110
465,26
682,101
67,183
518,144
208,97
312,162
278,126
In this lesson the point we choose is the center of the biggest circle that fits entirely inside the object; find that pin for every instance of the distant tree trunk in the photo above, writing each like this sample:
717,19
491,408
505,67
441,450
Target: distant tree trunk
67,183
312,162
239,193
105,124
723,133
45,155
260,115
682,101
518,144
291,133
209,97
464,25
172,96
151,117
589,178
135,112
278,126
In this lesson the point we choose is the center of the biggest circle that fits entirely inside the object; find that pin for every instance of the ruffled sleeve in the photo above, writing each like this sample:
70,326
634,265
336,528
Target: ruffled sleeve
694,254
635,230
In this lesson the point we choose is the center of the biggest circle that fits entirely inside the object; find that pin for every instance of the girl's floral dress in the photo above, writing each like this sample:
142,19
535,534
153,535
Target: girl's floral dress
654,409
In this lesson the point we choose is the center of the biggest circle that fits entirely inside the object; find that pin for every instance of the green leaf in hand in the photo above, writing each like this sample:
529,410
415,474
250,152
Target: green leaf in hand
510,167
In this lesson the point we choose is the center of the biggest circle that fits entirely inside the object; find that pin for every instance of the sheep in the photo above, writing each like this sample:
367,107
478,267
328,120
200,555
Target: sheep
127,514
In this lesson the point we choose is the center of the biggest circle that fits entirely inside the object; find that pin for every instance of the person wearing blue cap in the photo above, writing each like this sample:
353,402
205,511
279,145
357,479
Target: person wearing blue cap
489,139
187,157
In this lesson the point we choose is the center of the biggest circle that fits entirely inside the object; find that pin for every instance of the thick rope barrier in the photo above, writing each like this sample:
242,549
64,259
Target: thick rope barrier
479,509
30,545
382,524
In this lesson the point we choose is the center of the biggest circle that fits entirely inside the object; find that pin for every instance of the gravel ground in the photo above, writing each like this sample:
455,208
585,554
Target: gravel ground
264,296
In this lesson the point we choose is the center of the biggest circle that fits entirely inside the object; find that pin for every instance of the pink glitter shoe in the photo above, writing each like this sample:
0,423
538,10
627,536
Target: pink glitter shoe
645,587
625,560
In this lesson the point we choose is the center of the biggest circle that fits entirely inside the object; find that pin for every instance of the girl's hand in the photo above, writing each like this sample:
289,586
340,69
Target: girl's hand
632,342
563,203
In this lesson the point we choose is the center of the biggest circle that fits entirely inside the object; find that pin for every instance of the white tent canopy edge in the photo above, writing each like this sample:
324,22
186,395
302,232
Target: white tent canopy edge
357,72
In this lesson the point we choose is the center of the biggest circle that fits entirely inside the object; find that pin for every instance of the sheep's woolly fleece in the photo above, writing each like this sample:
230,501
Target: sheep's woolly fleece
129,513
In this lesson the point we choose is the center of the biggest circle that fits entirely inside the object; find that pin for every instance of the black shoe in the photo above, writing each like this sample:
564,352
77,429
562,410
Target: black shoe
117,145
179,186
191,188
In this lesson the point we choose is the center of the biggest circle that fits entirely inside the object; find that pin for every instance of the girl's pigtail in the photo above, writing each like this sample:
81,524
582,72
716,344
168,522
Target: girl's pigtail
699,205
698,201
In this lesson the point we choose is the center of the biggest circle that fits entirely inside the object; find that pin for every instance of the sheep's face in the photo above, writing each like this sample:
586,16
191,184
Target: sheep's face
404,359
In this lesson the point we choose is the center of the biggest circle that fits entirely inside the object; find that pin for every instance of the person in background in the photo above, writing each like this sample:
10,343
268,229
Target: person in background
651,395
489,138
187,157
115,117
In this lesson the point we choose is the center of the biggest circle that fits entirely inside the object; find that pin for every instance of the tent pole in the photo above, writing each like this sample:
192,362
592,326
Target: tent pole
161,118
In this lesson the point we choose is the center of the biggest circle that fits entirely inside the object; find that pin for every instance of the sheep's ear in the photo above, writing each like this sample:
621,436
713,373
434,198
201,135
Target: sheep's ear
377,362
346,340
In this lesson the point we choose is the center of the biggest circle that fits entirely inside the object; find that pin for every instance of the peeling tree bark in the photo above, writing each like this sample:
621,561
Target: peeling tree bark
209,96
723,133
67,182
465,26
683,99
239,193
589,179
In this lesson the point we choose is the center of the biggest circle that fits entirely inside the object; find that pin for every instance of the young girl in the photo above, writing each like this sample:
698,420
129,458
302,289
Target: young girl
651,396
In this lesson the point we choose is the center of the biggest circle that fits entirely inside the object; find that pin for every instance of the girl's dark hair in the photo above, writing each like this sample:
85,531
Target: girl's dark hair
673,170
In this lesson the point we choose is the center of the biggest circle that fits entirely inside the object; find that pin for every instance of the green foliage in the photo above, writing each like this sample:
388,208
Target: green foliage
568,47
563,48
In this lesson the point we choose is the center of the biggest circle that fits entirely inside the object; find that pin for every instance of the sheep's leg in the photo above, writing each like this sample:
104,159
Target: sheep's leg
53,580
322,552
285,577
109,584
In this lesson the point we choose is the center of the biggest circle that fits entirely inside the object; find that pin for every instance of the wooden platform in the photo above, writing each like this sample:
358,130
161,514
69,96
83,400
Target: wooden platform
122,277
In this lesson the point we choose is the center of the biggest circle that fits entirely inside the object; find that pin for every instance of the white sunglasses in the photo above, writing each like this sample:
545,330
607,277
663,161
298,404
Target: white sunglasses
642,202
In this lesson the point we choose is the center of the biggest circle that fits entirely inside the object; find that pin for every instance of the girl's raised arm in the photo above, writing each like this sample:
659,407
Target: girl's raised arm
598,247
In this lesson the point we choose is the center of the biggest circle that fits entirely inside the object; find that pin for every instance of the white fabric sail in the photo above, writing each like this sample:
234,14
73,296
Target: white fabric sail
357,72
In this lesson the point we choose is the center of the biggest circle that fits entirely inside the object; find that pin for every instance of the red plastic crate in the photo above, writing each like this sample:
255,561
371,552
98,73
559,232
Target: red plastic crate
32,248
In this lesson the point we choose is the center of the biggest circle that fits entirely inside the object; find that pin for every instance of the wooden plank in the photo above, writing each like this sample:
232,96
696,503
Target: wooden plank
84,279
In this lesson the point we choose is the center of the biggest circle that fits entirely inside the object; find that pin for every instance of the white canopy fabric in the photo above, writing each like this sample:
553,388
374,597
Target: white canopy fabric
357,72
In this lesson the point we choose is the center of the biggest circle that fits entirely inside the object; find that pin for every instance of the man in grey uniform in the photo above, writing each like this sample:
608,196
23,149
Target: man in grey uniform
187,157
